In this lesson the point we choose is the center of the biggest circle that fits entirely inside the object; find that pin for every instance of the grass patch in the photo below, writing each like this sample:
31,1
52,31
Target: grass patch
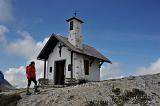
82,81
116,91
138,97
97,103
131,77
70,97
9,100
43,81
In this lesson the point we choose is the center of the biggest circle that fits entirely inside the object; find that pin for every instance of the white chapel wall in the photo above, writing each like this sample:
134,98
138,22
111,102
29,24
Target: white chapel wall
94,71
54,56
78,68
78,65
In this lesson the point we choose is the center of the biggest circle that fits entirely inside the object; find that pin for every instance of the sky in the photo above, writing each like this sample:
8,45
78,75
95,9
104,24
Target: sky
125,31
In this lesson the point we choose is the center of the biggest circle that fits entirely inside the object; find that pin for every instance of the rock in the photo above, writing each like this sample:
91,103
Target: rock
131,91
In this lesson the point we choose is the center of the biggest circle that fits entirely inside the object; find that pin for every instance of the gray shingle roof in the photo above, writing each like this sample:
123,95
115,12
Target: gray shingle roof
75,19
87,50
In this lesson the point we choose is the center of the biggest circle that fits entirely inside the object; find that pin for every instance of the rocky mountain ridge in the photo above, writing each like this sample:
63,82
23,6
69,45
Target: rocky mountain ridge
4,84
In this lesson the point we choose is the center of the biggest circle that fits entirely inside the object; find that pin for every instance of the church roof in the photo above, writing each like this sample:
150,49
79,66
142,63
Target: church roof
75,19
54,39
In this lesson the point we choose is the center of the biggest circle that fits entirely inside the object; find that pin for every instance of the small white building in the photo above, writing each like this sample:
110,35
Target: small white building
68,58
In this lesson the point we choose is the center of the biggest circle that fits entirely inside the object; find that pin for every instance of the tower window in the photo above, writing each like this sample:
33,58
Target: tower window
71,25
86,67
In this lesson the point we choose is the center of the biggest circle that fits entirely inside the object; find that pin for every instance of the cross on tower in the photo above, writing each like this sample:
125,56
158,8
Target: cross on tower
75,13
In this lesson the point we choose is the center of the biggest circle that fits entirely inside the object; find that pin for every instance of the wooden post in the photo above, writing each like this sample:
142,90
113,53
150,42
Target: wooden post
44,69
71,64
101,64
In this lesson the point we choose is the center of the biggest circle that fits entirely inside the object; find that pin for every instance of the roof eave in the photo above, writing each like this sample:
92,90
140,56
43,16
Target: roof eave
75,19
108,61
104,60
39,57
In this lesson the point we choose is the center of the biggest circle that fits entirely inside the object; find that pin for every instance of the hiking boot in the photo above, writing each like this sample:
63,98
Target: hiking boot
28,93
36,89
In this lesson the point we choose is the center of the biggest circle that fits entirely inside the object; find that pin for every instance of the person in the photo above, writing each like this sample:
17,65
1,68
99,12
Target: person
31,76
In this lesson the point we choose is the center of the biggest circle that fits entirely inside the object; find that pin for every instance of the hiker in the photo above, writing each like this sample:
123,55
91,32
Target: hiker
31,76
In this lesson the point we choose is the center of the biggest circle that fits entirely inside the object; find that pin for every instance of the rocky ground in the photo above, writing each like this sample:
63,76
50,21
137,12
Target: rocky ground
130,91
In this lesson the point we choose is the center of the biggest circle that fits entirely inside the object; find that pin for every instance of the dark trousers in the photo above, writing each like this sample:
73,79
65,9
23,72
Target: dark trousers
30,80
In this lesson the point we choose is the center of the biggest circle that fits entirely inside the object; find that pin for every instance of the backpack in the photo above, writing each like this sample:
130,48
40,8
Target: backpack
27,68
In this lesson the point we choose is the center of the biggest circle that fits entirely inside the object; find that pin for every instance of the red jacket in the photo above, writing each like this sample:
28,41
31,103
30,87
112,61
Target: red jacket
31,72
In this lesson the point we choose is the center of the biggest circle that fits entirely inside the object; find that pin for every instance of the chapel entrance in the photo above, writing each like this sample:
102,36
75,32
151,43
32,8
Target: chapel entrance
59,72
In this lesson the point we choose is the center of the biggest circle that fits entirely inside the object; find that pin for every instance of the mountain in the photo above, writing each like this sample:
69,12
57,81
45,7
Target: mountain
4,84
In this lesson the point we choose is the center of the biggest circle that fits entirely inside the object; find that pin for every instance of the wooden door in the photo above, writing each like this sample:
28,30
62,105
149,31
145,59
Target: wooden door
59,72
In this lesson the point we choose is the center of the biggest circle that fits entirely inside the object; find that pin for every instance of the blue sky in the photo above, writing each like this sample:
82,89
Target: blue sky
125,31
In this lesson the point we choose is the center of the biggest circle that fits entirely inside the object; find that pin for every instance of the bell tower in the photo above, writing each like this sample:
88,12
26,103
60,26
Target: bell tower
74,28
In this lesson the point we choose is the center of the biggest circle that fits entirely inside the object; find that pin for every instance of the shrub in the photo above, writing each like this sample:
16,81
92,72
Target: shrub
138,97
131,77
97,103
82,81
43,81
116,91
9,100
70,97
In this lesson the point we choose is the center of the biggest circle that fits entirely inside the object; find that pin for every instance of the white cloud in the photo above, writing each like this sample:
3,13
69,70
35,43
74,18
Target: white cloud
23,47
110,71
16,76
29,48
5,10
26,46
3,30
152,69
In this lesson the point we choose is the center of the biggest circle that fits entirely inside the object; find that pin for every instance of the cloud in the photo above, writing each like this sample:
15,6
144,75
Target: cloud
3,30
110,71
16,76
152,69
5,10
23,47
26,46
29,48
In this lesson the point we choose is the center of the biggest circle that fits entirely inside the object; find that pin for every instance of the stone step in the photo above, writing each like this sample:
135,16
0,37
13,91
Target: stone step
52,86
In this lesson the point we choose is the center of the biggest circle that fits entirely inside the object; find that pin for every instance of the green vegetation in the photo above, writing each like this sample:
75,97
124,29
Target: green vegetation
97,103
43,81
82,81
70,97
116,91
131,77
137,96
9,100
